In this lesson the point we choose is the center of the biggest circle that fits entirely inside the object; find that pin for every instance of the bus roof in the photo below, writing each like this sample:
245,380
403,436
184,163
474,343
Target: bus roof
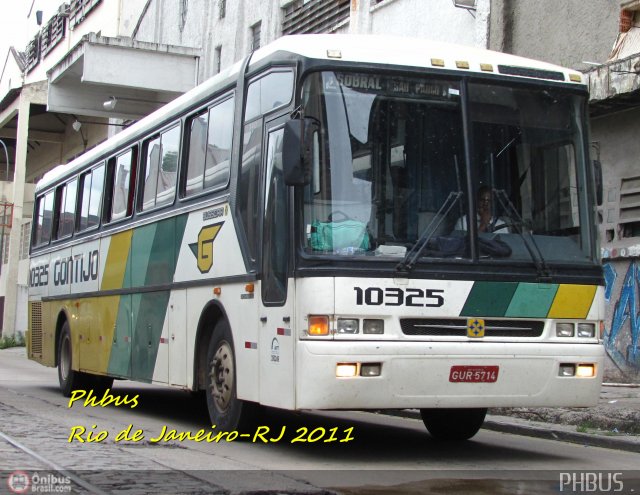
369,49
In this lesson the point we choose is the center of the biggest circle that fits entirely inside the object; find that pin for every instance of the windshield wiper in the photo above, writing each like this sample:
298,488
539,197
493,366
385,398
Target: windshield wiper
544,275
407,264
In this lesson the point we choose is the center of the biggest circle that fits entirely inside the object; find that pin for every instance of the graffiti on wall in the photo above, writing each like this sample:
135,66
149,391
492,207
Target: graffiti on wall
622,341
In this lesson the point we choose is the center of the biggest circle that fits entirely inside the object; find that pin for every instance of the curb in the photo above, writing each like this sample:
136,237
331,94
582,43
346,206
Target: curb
546,431
505,424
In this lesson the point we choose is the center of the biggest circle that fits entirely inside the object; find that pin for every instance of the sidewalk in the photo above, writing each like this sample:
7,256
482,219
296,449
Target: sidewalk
613,423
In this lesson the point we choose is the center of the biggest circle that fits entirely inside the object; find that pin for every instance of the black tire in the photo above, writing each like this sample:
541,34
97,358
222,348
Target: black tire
99,384
226,411
69,379
453,424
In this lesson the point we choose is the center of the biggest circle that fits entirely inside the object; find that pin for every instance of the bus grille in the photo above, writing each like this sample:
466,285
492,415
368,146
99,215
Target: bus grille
36,328
457,327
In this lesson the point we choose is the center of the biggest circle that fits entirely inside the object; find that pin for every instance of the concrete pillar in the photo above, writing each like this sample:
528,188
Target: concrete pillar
359,20
11,274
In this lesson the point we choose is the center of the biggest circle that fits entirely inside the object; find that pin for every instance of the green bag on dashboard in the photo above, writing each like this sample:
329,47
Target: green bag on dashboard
331,236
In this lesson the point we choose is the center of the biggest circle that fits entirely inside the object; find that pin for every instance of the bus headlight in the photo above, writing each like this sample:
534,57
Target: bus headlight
346,370
586,330
348,325
373,326
586,371
565,329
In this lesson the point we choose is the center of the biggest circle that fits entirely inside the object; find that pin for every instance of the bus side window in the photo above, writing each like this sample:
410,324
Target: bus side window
271,91
44,220
90,198
209,153
216,172
268,92
197,125
65,209
121,187
160,169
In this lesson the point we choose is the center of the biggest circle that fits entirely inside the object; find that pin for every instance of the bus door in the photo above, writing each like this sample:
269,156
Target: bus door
276,310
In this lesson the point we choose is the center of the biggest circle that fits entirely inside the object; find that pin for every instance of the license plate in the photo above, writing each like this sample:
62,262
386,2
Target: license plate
474,374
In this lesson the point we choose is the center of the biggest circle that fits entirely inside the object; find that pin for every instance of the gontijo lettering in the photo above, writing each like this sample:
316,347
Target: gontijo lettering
75,269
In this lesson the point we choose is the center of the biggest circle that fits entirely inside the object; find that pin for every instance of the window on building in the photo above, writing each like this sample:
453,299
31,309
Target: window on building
25,237
66,209
303,17
222,8
629,204
5,248
218,59
255,36
91,198
161,168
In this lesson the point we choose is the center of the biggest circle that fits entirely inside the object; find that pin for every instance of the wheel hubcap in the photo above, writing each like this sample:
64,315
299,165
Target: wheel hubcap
65,359
222,376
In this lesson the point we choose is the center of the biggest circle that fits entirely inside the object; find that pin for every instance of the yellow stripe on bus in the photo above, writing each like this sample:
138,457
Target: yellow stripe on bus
116,264
572,301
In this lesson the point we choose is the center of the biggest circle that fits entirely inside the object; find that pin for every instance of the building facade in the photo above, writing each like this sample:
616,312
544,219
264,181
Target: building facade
95,66
602,39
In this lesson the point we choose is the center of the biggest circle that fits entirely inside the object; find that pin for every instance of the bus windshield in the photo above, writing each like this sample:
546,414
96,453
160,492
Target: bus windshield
390,169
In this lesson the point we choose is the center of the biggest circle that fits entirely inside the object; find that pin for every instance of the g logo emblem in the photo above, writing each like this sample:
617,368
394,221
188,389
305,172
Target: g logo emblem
203,249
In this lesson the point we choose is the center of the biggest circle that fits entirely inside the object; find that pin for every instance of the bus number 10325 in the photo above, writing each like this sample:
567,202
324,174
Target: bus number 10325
394,296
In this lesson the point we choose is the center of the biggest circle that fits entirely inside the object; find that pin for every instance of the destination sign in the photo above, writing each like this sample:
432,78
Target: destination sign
406,86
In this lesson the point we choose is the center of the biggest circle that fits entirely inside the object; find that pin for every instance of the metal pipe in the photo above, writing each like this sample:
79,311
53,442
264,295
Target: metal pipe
6,153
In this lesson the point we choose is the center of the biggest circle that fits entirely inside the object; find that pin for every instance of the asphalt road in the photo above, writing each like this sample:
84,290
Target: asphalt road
378,454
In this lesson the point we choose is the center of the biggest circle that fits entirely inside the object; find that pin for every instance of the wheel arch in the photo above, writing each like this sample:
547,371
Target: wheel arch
212,313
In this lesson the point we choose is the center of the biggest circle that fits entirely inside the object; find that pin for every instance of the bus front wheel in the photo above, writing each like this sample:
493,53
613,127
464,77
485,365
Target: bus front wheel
453,424
226,411
69,379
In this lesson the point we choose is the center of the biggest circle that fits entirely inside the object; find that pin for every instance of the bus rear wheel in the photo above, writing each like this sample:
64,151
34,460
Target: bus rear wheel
69,379
453,424
226,411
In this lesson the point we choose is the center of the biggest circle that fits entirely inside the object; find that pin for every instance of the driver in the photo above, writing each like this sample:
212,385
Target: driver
486,221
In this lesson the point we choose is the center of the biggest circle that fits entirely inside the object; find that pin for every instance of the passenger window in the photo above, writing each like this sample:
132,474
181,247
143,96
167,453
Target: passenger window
209,158
124,169
91,197
216,173
161,169
271,91
66,209
198,126
44,220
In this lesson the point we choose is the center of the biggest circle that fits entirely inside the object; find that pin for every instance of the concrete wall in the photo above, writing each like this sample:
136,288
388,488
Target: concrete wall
430,19
196,24
616,143
623,322
564,32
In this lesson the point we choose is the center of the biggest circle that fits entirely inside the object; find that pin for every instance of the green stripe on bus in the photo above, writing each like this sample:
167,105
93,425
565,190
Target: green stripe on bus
120,358
489,299
532,300
141,252
153,259
150,309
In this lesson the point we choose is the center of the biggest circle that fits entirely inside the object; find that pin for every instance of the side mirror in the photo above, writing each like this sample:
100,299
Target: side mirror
297,151
597,172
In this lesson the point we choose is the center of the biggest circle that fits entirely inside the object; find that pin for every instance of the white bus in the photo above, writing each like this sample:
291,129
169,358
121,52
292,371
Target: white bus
293,233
